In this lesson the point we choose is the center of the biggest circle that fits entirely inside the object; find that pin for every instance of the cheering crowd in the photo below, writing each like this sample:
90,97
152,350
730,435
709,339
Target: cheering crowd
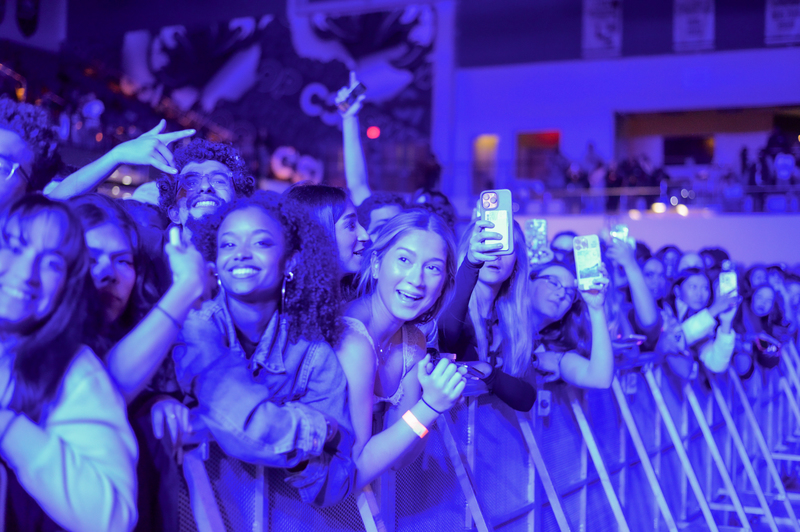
321,331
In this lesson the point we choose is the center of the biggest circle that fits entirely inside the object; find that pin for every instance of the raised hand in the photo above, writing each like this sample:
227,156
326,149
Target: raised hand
189,268
595,297
478,247
442,385
151,148
341,95
621,252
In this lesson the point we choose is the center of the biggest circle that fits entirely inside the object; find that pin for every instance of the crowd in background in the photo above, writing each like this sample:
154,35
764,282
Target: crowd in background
321,331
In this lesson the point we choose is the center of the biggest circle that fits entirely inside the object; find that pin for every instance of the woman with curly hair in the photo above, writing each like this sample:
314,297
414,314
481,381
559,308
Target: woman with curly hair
258,357
64,436
406,281
481,324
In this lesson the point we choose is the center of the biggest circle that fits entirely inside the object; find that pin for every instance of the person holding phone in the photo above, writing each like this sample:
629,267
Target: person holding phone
706,321
557,310
481,325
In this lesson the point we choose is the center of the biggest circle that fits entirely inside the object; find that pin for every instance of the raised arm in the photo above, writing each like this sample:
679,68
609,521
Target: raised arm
355,166
455,316
716,354
644,304
598,371
134,360
80,464
151,149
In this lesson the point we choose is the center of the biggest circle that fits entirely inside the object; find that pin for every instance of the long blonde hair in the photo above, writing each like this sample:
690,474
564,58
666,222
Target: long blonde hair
512,310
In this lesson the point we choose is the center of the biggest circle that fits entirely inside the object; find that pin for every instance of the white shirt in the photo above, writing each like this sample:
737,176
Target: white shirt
79,463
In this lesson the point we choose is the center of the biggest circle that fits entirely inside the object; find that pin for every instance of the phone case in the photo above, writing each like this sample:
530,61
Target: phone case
536,237
728,283
587,260
495,206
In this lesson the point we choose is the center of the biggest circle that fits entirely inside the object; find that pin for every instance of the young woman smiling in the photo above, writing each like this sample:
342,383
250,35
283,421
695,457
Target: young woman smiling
258,357
63,430
406,280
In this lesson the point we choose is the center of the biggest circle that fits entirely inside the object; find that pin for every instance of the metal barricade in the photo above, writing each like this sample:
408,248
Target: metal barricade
654,452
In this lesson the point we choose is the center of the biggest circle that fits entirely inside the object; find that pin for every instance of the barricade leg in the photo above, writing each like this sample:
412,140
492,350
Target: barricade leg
715,454
464,477
740,449
674,435
544,474
370,511
597,460
762,446
638,444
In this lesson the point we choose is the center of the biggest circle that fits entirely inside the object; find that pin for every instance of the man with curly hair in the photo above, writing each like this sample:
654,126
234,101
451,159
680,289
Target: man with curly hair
28,157
209,174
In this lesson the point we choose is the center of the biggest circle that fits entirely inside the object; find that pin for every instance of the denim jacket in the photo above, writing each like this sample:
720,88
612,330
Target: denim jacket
270,410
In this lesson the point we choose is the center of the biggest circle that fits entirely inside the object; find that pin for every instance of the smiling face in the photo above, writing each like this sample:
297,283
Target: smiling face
32,271
411,274
13,150
350,239
251,251
202,187
113,269
762,301
654,278
694,291
548,301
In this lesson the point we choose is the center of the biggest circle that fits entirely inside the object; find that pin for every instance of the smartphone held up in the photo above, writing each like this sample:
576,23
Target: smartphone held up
587,261
495,206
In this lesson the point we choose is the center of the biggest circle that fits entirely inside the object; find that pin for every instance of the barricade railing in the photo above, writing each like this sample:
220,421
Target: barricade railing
654,452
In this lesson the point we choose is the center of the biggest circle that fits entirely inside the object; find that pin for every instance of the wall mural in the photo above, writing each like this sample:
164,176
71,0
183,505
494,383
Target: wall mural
269,84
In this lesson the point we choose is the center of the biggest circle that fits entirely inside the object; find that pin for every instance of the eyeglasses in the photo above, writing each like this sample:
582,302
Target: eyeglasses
192,182
8,169
555,284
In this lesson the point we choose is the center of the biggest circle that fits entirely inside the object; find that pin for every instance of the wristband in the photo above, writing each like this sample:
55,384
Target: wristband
429,406
170,316
412,421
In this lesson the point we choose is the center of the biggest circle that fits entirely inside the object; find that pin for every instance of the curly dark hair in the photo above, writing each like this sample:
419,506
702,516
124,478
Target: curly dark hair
94,210
33,125
312,302
376,201
204,150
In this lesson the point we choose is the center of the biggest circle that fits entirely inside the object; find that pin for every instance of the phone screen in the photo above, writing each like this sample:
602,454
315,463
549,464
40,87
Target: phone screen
587,260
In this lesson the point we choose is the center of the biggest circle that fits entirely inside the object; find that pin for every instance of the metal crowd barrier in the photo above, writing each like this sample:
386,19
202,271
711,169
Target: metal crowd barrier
654,452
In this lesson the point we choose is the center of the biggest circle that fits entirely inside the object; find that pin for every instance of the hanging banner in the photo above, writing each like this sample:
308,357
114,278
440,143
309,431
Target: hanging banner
602,28
693,25
782,22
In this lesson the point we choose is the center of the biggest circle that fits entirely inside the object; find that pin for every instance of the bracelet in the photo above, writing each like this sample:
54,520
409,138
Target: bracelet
412,421
429,406
170,316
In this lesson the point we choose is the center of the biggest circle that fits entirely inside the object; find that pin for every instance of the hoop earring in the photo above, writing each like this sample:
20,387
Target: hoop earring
288,278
